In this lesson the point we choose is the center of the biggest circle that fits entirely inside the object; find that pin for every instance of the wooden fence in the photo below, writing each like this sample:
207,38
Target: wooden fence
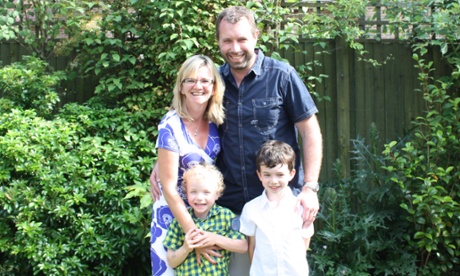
360,93
79,89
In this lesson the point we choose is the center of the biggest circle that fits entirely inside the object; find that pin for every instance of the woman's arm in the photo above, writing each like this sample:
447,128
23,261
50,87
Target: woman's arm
238,246
168,164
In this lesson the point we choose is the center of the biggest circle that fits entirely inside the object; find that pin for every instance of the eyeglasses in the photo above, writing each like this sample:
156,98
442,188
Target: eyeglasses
191,82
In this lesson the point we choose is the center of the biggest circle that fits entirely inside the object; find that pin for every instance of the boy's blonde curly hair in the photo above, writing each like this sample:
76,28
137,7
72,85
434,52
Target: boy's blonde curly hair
204,172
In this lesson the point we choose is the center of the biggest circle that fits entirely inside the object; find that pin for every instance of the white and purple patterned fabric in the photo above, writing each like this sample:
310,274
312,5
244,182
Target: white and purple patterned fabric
172,135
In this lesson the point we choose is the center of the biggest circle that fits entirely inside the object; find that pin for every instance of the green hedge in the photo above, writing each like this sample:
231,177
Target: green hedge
63,188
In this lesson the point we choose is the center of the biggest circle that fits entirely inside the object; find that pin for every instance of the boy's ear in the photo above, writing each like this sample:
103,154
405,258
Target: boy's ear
258,174
292,174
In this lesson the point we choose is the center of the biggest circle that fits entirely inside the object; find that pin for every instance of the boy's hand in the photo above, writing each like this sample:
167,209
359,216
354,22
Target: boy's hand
209,253
191,239
206,248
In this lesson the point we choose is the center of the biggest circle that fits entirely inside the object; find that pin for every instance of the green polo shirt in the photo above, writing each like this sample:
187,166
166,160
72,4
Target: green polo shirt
218,221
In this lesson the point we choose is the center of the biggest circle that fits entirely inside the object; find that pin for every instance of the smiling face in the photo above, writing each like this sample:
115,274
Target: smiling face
275,180
201,194
198,88
237,42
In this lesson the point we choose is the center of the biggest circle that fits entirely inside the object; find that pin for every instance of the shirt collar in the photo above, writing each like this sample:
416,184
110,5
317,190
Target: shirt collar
266,203
257,67
213,212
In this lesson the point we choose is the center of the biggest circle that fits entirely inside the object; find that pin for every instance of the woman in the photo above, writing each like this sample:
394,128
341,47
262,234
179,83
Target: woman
187,135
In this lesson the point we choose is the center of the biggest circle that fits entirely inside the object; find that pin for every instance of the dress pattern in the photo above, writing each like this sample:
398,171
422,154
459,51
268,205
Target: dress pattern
173,136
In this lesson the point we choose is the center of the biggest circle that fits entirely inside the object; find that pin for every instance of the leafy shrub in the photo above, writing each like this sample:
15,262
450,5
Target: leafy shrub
359,229
149,41
39,25
426,168
62,192
29,85
426,165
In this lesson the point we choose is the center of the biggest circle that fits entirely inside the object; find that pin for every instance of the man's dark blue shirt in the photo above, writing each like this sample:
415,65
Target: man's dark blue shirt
270,100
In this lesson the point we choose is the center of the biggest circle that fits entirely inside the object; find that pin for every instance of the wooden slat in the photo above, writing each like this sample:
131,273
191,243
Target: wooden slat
343,104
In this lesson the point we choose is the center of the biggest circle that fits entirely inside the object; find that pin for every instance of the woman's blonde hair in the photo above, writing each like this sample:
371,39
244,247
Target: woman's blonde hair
215,110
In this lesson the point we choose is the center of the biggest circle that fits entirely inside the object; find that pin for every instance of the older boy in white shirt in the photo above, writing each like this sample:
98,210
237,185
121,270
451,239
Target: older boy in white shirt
277,242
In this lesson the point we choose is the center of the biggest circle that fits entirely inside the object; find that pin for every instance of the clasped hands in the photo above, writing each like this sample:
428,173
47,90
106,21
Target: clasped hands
203,243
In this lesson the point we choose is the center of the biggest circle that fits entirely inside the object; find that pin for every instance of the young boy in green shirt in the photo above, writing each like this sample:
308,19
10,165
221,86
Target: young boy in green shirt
203,184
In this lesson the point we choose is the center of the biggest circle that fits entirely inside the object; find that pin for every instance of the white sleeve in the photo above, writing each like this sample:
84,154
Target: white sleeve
247,225
308,232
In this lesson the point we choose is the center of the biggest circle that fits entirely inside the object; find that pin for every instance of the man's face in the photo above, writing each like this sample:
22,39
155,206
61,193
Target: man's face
237,44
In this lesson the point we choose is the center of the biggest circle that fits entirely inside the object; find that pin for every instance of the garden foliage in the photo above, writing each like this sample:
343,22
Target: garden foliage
63,192
71,179
399,212
360,229
64,174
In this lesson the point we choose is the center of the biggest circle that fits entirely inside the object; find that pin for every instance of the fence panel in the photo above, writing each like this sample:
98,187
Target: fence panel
362,94
77,89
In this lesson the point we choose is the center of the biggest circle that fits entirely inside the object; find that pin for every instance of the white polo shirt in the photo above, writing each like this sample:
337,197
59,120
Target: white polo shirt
280,249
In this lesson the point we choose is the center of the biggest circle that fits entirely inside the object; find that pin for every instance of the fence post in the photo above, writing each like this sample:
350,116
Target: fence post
343,104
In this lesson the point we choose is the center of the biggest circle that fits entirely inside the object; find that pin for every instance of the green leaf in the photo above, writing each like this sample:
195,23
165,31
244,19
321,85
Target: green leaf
116,57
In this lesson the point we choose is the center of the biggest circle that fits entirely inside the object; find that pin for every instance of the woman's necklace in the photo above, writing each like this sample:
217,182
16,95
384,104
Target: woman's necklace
195,133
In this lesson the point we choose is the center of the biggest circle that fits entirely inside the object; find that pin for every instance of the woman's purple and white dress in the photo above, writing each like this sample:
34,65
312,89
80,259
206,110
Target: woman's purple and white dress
174,136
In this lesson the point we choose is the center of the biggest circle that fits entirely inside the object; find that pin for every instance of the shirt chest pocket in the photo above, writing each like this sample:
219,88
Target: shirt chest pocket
265,113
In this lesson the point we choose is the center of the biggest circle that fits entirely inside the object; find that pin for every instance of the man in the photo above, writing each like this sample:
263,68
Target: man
265,99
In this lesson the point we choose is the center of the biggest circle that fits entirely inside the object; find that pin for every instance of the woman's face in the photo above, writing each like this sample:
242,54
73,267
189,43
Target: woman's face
198,89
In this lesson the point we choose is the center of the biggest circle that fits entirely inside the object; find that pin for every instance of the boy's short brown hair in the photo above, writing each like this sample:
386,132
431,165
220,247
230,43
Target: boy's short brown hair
273,153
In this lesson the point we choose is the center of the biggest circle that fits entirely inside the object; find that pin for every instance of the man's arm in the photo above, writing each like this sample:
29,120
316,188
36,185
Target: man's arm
155,191
312,155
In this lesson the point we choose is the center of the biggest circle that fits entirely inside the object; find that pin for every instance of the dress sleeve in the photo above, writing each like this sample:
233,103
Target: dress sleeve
166,139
